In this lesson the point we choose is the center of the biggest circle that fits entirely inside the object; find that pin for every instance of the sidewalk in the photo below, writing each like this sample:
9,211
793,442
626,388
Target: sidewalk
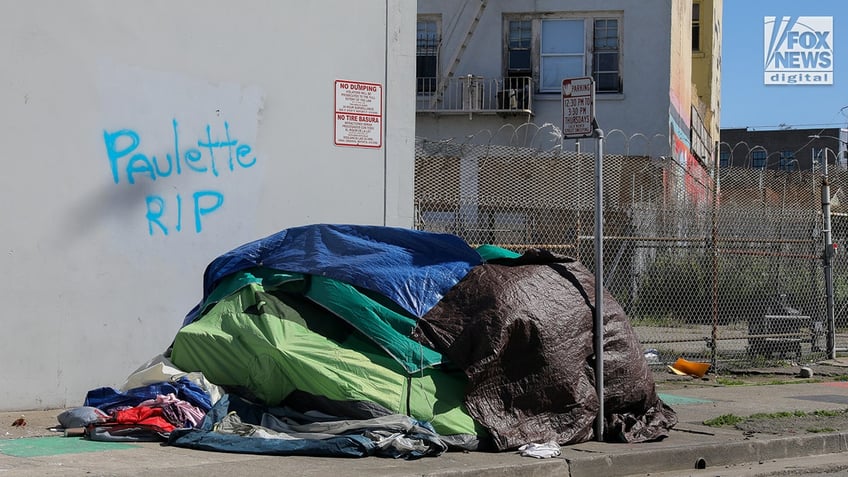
691,445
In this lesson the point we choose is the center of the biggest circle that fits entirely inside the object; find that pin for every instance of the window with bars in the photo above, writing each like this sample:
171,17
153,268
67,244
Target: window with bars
427,55
758,159
787,160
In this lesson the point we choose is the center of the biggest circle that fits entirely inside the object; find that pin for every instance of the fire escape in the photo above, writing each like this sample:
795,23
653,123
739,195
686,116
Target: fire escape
470,94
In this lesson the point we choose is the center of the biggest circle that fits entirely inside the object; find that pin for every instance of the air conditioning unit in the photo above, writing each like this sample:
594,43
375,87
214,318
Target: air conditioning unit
508,99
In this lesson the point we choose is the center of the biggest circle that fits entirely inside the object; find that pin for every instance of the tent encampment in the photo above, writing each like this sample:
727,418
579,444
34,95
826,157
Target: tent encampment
483,348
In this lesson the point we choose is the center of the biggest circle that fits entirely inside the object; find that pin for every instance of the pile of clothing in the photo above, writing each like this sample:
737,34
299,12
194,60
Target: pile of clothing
147,413
161,403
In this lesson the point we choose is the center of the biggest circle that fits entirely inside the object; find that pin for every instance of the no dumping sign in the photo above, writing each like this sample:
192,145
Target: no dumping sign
359,114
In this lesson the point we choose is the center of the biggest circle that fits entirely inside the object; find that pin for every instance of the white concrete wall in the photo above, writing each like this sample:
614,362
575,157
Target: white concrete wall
98,272
645,64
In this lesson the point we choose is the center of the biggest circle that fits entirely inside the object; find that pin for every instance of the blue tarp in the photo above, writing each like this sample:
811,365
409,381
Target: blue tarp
411,267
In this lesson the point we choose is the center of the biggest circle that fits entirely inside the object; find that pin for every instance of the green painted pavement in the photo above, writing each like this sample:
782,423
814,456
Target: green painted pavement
44,446
672,400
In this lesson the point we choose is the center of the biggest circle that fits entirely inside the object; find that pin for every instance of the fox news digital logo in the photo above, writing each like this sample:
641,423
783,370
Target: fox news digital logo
798,50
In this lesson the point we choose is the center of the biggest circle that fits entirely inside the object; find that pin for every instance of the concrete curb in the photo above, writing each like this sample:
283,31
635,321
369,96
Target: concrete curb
688,457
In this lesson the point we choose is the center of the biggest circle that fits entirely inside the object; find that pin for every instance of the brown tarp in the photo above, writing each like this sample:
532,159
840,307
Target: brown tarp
522,331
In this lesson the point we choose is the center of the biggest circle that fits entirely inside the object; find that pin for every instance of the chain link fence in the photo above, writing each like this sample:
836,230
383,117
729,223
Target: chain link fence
721,268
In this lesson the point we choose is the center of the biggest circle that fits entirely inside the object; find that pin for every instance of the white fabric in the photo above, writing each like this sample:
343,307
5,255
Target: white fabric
161,369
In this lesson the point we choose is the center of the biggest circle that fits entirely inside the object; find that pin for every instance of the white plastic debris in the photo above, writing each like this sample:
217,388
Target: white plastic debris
540,451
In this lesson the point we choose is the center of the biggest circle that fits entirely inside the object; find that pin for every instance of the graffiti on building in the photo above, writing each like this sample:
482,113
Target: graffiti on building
214,155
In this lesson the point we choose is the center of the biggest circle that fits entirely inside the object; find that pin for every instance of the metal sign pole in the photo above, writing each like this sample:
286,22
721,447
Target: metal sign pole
578,121
599,282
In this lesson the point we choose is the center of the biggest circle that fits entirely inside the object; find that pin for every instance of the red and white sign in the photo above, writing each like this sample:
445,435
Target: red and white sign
359,114
578,107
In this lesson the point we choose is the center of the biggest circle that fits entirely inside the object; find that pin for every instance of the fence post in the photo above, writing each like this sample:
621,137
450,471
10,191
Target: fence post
714,245
827,258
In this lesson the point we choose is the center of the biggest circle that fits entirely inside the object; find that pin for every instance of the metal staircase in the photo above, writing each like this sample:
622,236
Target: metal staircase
444,80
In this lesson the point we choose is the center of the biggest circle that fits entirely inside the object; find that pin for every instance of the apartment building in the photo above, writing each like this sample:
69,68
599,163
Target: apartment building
655,65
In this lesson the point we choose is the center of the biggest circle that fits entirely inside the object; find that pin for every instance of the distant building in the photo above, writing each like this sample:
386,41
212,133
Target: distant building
706,62
655,64
783,149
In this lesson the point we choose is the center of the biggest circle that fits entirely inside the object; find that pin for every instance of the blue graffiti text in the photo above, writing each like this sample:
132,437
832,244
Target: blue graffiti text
127,161
164,216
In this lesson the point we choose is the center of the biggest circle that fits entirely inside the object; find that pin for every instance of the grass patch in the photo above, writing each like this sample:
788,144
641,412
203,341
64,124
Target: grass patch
730,382
777,415
724,420
815,430
732,420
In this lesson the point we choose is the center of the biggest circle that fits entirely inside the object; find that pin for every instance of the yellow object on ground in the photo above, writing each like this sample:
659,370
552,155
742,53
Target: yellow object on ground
684,367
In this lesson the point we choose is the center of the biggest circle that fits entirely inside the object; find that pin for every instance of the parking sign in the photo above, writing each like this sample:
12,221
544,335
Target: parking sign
578,107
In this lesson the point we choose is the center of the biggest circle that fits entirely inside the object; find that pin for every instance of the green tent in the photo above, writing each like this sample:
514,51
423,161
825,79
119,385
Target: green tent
268,334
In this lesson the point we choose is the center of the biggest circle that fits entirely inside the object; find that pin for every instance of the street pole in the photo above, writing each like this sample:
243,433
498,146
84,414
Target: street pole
827,258
578,121
599,282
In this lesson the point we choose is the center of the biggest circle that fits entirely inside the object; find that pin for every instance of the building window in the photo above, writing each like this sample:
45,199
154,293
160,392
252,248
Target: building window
724,159
519,57
758,159
427,55
550,47
787,161
696,27
605,56
563,52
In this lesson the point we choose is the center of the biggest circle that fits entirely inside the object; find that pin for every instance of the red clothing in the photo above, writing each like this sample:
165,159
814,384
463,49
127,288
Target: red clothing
145,415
